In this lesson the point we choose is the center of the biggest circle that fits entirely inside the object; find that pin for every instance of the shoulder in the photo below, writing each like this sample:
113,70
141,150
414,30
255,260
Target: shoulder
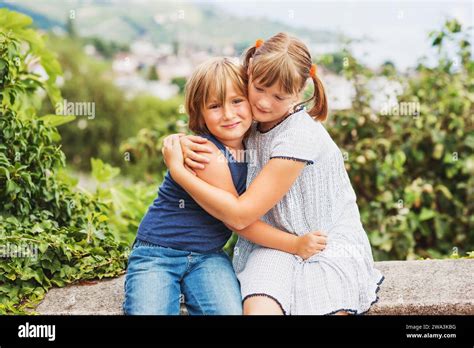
217,163
301,124
217,172
301,138
216,156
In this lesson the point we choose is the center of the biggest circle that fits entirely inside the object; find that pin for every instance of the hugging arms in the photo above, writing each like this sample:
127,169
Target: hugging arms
212,188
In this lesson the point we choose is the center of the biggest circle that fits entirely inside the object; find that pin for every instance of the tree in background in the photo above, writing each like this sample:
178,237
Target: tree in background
180,82
71,28
153,74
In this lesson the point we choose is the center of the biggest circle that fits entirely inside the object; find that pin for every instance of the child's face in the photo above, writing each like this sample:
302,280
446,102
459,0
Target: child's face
269,103
231,120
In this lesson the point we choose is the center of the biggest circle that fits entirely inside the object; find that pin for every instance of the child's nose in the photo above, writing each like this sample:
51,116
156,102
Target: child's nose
229,113
263,104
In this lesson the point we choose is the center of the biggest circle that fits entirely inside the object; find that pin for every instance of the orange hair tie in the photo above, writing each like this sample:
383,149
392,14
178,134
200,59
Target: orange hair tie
313,70
258,43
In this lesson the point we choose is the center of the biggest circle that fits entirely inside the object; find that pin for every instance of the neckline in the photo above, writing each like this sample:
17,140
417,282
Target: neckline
279,122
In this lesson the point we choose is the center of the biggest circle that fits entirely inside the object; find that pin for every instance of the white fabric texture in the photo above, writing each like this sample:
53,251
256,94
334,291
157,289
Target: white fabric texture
342,277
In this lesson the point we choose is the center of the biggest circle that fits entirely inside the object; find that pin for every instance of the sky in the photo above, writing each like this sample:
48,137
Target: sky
398,30
394,31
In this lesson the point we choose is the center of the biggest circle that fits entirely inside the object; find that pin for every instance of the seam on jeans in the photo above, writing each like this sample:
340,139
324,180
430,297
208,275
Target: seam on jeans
196,300
266,295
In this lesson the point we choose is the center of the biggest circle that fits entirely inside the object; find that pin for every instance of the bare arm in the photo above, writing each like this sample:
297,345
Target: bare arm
217,173
265,191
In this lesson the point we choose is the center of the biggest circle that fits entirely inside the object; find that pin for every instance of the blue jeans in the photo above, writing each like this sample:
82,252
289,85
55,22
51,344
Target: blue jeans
158,279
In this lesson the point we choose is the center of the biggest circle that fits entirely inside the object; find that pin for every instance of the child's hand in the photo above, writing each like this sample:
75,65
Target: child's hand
310,244
172,153
191,145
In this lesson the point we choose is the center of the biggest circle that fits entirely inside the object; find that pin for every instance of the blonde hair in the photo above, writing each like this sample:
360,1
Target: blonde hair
208,81
286,59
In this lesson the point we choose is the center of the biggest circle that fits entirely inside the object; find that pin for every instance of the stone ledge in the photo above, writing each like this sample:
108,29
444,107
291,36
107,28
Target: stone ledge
431,287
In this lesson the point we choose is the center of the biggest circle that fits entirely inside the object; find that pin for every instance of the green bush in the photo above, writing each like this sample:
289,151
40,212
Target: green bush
50,234
127,203
414,173
144,149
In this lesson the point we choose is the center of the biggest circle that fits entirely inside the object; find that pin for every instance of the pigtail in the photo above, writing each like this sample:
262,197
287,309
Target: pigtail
248,54
319,111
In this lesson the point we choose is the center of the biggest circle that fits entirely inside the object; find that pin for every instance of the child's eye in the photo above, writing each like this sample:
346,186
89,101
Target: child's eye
237,101
213,106
258,89
279,98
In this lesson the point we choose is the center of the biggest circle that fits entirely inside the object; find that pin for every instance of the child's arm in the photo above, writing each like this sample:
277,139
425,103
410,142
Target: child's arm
268,236
266,190
217,173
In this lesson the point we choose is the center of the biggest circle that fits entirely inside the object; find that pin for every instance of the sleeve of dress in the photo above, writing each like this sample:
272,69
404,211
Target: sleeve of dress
296,143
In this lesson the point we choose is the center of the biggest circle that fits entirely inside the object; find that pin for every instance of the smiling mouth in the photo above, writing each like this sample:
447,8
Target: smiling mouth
231,125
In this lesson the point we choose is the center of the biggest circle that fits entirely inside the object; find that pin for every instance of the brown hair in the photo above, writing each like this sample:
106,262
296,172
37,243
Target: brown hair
286,59
209,80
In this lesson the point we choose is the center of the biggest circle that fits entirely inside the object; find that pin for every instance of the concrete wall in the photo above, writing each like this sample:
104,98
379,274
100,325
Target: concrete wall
410,287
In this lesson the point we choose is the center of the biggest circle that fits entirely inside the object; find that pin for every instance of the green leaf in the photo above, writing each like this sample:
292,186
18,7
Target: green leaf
43,247
102,218
438,151
57,120
453,26
437,41
13,20
426,214
103,172
445,191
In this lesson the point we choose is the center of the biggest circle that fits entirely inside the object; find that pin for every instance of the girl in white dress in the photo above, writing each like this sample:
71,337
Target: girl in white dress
296,182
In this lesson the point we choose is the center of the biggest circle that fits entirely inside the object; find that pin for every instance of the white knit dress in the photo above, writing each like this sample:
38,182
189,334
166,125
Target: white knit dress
342,277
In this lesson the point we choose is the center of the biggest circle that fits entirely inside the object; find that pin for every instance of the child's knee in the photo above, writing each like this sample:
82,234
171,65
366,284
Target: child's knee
341,313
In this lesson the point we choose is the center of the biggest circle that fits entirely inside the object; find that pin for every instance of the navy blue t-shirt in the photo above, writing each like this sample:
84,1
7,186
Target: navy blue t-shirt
176,221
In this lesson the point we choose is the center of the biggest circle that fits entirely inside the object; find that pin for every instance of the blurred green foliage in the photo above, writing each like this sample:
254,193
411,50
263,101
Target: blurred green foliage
414,173
153,74
127,202
117,116
180,82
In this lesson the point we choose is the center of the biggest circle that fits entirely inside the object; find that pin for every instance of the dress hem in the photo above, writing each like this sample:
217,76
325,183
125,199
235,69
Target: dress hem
266,295
308,162
354,311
